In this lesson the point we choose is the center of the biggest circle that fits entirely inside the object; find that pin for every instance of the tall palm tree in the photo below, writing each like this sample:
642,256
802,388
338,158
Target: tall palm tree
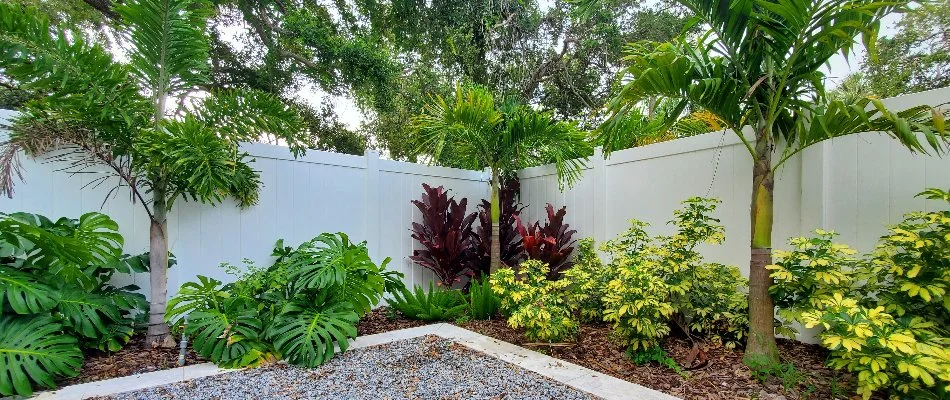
759,66
96,111
472,131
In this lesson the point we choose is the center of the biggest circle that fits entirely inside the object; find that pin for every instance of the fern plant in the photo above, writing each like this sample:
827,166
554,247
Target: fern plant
435,305
55,296
300,308
483,302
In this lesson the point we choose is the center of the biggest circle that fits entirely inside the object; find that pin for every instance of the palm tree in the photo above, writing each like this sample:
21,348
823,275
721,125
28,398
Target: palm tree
759,66
98,112
471,131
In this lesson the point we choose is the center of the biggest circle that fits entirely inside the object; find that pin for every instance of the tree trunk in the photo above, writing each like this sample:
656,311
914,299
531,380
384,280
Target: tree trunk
158,270
760,345
495,222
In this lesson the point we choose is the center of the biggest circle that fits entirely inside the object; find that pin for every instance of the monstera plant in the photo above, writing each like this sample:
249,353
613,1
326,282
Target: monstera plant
326,285
55,296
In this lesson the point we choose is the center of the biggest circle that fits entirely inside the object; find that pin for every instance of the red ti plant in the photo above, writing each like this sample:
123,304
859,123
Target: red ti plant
446,233
550,243
512,250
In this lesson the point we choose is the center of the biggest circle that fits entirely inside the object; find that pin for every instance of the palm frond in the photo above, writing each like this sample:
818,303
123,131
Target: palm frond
253,116
472,131
838,118
197,164
461,128
170,48
534,138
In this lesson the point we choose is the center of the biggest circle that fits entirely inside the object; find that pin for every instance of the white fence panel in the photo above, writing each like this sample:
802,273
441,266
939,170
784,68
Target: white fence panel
362,196
856,185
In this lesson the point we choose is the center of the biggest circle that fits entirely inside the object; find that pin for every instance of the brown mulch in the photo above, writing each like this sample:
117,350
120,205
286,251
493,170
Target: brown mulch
384,320
135,358
725,376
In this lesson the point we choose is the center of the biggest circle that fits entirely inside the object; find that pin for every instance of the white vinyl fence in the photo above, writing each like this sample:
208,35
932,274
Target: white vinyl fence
366,197
856,185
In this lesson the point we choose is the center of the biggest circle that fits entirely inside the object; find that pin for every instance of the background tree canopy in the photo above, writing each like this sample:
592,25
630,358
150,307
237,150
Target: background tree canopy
914,59
390,56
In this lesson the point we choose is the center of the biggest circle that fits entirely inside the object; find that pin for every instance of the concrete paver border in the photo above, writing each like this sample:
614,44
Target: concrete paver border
584,379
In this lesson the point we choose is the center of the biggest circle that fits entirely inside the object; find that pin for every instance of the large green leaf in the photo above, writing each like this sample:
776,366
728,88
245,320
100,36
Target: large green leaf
34,350
232,337
92,241
88,314
332,263
306,330
204,295
23,293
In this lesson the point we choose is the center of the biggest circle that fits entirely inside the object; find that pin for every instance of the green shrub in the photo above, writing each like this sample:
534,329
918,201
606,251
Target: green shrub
56,299
534,303
648,283
483,302
636,302
589,277
435,305
299,308
885,315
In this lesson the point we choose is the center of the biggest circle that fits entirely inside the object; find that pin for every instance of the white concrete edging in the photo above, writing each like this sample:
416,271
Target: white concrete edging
575,376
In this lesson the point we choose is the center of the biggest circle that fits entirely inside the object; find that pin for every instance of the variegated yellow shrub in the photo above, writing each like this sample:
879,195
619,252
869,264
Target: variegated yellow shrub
656,281
885,316
589,277
535,303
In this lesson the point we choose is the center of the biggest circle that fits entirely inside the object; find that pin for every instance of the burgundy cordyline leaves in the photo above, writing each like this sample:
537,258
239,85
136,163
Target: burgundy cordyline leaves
446,233
551,243
512,250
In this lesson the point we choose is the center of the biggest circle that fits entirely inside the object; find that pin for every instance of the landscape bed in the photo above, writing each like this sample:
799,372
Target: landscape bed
725,376
425,367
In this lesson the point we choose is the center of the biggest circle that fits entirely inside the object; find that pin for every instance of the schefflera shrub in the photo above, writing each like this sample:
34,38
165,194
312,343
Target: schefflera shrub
886,315
647,283
535,303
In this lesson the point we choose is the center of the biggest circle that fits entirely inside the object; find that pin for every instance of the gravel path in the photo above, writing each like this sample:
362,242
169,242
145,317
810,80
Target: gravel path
427,367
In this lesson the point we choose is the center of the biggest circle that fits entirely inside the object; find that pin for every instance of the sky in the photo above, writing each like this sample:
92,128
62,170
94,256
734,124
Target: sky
838,68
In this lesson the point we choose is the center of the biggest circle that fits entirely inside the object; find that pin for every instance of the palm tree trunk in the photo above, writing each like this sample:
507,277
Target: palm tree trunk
158,269
495,222
761,347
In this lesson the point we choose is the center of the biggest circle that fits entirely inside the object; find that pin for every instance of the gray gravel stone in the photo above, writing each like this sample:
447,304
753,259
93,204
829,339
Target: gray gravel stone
427,367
